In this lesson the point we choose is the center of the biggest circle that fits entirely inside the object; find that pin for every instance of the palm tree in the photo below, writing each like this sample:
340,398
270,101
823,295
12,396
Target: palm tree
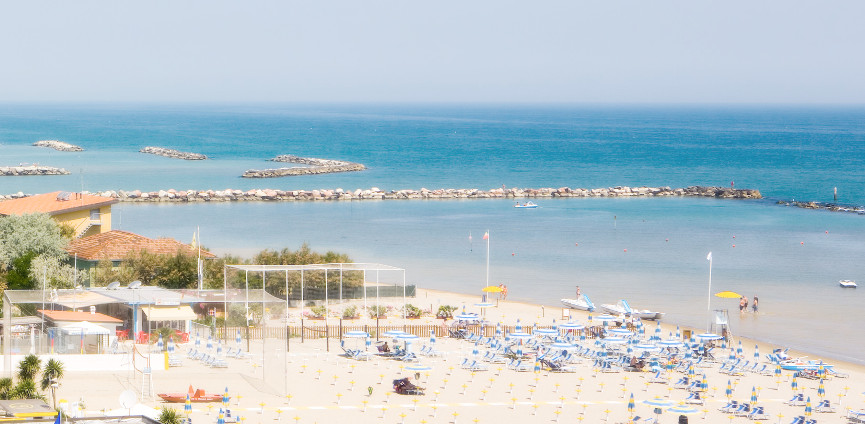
26,389
169,416
51,376
29,367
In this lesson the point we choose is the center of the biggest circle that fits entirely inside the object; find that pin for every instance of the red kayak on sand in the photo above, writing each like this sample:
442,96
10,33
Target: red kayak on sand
196,396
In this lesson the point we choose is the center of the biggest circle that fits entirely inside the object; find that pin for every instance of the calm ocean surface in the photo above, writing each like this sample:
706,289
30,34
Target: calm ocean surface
790,258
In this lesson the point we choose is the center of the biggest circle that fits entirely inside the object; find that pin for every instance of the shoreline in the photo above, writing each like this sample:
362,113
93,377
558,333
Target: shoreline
667,326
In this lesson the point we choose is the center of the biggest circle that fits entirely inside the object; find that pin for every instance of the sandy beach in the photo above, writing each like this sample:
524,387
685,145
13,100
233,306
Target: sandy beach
326,387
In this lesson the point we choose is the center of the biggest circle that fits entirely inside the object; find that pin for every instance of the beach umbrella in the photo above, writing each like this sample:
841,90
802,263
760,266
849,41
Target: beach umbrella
418,367
159,344
723,343
221,419
753,396
368,343
590,318
484,305
728,295
537,367
729,391
691,373
739,349
778,371
219,348
554,326
432,336
238,339
545,332
756,353
356,334
187,407
520,335
646,347
658,331
683,410
732,356
821,391
821,370
704,386
678,333
658,403
491,289
562,345
570,325
391,334
197,340
619,332
170,345
209,344
225,397
498,329
518,328
631,405
794,384
670,343
808,407
707,337
605,318
467,317
613,340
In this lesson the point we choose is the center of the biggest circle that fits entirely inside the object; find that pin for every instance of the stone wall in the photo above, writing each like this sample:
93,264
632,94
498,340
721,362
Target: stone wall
13,171
58,145
316,166
174,154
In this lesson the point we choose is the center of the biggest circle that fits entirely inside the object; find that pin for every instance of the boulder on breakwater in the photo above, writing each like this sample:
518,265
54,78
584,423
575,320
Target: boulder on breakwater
58,145
171,153
316,166
14,171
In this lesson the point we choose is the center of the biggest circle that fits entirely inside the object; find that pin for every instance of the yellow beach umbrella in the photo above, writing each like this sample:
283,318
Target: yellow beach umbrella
491,289
728,295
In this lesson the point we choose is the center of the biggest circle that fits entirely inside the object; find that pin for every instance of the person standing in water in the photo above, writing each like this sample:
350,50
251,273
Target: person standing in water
754,305
579,293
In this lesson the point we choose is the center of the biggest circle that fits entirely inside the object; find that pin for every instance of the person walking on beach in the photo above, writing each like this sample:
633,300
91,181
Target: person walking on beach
578,292
754,306
501,291
504,292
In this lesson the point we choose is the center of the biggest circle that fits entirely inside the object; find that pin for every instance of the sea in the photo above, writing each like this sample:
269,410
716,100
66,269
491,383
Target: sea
650,251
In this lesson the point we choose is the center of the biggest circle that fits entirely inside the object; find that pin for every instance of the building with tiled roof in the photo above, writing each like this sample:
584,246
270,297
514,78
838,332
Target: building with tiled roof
116,245
86,214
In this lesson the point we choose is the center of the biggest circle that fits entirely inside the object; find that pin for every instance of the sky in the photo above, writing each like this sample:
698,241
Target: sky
572,51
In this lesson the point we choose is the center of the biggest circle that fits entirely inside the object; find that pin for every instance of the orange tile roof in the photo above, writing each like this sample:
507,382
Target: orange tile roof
49,203
117,245
78,316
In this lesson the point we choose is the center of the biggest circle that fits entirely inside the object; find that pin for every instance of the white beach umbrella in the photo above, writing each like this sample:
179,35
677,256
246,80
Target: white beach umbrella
356,334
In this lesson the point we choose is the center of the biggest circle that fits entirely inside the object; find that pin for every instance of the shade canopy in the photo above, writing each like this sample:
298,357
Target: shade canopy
86,328
491,289
728,295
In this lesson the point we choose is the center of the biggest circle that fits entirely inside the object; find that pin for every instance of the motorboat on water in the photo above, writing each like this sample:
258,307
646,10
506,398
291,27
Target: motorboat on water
582,303
527,205
622,308
847,284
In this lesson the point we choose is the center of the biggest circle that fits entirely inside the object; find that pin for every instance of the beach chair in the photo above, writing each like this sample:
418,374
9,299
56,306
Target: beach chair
609,367
765,370
798,420
835,373
174,361
658,378
730,407
855,417
694,398
523,367
477,366
798,399
824,406
744,409
556,367
757,413
682,383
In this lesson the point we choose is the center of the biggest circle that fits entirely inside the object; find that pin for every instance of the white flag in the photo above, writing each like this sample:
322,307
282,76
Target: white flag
709,257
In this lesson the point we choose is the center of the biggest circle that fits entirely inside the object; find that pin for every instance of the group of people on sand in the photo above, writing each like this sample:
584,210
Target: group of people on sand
503,292
743,304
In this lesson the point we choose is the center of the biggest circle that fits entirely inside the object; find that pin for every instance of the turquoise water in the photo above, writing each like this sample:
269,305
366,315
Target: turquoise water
791,258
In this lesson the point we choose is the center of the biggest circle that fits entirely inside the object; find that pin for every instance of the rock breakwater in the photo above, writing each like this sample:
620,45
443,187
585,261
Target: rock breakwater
59,145
375,193
315,166
14,171
171,153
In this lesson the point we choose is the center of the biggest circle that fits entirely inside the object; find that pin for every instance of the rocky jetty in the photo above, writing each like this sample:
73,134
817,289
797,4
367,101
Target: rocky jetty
13,171
374,193
58,145
174,154
315,166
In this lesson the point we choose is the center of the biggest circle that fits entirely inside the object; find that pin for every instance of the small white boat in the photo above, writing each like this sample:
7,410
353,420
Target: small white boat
847,284
583,303
622,308
527,205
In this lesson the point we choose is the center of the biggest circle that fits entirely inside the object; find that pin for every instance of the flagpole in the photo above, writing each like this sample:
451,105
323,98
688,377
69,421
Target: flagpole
488,258
709,305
